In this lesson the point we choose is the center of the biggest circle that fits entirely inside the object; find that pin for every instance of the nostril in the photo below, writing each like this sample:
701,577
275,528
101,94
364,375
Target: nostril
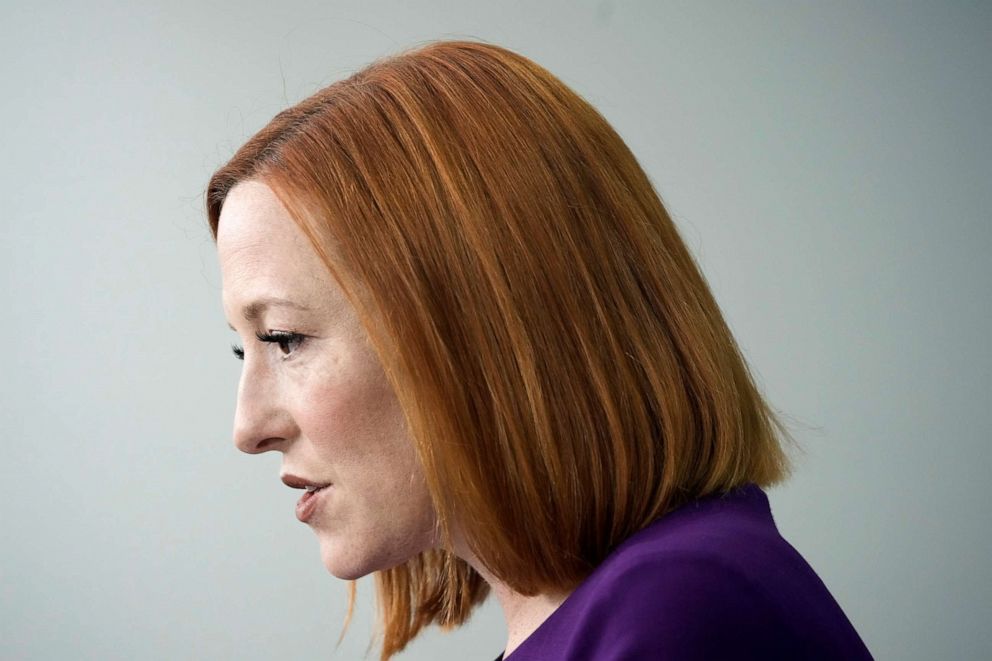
266,444
256,431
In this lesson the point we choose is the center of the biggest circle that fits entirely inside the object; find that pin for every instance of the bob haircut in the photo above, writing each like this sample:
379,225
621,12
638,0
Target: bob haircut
566,373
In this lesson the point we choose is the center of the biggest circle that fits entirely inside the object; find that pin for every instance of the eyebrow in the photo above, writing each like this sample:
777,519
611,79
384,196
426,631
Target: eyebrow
254,310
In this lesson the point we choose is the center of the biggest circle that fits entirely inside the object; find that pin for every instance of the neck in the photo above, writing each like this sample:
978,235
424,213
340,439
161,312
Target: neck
523,614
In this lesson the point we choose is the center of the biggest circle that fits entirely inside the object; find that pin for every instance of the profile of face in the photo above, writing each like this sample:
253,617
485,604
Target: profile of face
313,389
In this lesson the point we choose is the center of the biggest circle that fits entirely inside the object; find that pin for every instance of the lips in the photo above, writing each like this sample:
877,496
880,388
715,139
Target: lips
311,499
308,503
296,482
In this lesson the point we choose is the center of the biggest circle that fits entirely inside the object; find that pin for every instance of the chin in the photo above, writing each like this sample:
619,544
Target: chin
354,562
346,567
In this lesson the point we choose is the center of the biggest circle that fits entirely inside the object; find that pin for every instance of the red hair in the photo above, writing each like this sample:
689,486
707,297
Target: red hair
566,373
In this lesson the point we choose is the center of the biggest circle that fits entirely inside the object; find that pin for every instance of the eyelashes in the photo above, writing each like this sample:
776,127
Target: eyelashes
287,341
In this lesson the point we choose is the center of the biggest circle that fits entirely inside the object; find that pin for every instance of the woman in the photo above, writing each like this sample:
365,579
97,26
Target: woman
486,354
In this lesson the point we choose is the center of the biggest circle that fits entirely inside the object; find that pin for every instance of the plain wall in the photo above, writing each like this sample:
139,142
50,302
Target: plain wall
829,164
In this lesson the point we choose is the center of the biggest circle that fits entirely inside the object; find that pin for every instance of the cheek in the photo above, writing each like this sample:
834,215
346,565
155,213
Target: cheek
361,440
356,425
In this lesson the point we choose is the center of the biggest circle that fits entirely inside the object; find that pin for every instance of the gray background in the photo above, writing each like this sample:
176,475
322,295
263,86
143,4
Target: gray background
828,163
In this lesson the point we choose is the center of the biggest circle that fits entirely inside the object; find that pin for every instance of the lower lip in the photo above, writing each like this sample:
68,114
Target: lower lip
308,503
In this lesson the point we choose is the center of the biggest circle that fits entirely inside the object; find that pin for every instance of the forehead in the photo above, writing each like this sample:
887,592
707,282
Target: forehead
261,250
253,217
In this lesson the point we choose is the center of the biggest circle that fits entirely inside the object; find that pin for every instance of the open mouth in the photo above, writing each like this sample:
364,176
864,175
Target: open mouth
309,501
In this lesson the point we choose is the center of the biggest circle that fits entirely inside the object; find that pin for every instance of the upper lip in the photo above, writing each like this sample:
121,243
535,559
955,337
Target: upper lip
296,482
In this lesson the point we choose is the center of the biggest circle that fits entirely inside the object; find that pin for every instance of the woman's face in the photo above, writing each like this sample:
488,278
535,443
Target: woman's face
316,392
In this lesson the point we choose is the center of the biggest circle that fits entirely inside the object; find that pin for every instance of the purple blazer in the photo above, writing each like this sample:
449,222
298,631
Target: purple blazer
711,580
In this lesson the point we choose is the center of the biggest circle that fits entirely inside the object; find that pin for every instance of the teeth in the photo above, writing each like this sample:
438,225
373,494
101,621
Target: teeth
311,488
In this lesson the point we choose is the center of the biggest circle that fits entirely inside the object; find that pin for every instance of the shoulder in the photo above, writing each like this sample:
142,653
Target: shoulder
680,603
712,580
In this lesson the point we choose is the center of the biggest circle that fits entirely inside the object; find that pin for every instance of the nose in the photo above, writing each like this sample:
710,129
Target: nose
261,422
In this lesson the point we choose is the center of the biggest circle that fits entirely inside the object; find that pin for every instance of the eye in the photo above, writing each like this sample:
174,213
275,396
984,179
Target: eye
239,352
288,341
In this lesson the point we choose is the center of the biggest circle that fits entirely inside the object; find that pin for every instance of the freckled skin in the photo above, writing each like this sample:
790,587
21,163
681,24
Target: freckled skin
327,405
